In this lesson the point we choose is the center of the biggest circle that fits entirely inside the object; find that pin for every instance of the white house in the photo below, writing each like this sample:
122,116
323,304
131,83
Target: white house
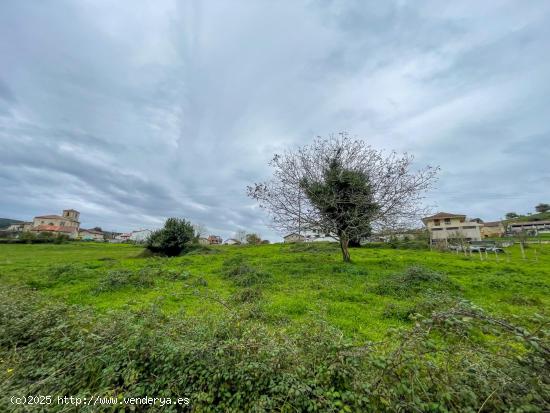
444,227
91,235
140,235
231,241
123,237
203,241
308,236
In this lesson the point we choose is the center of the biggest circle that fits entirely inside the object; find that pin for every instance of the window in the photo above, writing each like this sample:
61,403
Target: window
436,222
469,227
437,229
447,221
452,228
62,223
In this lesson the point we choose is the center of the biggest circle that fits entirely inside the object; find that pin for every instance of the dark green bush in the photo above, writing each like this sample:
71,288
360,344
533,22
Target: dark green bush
173,239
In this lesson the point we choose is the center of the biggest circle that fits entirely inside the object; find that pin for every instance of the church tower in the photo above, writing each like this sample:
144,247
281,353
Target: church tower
71,214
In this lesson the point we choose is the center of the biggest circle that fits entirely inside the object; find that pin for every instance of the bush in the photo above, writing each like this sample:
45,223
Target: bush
243,274
247,295
414,280
117,279
173,239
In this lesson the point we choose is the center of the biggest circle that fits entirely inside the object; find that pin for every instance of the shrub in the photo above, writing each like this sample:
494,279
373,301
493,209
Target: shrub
413,281
173,239
117,279
243,274
247,295
27,236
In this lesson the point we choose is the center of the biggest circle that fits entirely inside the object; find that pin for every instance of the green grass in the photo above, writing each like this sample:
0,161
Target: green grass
290,285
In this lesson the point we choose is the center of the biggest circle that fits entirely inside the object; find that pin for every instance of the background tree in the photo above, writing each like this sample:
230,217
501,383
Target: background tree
511,215
542,208
173,239
343,187
253,239
200,230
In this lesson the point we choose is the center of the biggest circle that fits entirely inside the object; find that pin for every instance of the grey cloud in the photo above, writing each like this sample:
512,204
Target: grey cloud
136,112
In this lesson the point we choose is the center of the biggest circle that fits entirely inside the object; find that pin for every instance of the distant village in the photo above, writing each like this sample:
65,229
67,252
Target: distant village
68,225
441,229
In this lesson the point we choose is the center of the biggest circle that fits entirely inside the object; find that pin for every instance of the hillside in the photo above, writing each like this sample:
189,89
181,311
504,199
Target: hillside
277,327
543,216
6,222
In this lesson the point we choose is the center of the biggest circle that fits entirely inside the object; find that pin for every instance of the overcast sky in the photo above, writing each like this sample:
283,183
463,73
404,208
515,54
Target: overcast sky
134,111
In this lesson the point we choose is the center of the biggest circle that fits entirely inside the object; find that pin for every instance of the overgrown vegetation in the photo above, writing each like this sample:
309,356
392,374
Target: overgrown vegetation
456,359
277,327
414,280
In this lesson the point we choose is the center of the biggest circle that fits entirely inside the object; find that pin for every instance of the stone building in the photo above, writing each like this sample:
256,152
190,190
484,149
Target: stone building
68,223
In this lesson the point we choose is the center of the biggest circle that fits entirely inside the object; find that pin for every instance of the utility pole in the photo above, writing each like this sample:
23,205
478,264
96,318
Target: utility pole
299,215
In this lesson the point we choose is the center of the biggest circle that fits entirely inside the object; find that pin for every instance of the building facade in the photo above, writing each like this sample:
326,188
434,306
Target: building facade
91,235
530,226
214,239
492,229
445,228
140,235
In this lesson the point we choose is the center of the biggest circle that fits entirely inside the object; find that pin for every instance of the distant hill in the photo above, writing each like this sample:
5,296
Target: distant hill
543,216
6,222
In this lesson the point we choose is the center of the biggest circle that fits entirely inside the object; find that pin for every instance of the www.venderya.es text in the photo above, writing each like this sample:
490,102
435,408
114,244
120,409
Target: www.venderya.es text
100,400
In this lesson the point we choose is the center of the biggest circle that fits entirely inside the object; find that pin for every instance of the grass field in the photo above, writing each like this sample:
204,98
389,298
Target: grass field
305,281
285,328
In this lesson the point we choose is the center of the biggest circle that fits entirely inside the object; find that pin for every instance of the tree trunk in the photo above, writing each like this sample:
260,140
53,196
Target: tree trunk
344,241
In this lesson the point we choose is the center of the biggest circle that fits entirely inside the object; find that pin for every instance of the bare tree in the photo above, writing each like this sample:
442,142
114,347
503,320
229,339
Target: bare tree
200,230
343,187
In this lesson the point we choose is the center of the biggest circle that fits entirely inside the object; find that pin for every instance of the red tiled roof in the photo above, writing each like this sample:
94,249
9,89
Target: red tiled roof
91,231
50,216
53,228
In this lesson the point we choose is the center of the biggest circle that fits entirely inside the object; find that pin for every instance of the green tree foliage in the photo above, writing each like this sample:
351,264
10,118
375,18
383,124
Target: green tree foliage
173,239
27,236
542,208
345,200
253,239
511,215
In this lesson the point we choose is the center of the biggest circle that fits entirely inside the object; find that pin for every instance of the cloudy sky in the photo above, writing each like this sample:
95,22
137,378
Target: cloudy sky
134,111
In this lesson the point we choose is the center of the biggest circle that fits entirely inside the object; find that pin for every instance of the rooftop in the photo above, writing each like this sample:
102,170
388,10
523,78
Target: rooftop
492,224
54,228
443,215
